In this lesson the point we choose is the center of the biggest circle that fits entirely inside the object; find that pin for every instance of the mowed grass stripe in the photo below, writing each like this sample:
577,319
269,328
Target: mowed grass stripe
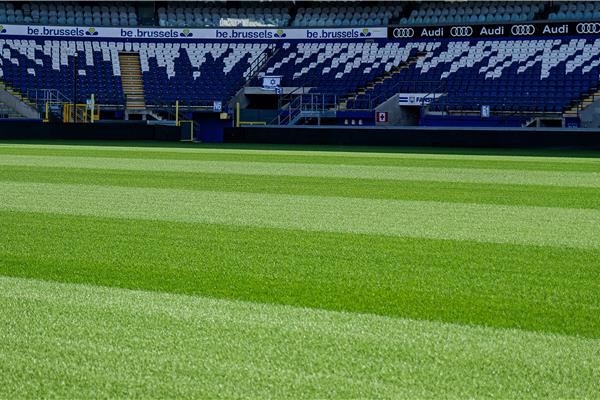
485,223
589,164
445,174
92,341
535,288
527,195
538,155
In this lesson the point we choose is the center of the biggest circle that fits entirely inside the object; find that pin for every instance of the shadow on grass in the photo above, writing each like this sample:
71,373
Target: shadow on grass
539,152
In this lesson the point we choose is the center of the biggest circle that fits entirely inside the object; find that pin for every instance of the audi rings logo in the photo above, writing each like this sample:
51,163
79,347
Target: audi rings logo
588,27
404,32
522,30
461,31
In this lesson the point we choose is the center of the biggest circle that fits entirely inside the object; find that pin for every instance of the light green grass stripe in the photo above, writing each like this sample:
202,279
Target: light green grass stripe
463,175
484,223
359,152
75,341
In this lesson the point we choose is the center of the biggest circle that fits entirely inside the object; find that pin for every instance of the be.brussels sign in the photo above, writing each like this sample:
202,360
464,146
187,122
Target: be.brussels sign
490,31
194,34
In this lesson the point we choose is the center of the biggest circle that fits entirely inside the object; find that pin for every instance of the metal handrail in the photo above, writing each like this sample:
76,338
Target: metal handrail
41,96
492,101
308,103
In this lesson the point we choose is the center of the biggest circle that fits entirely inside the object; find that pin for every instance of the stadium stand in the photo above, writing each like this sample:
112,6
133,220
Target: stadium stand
63,13
193,15
336,14
28,65
439,12
195,73
524,75
576,10
190,72
510,75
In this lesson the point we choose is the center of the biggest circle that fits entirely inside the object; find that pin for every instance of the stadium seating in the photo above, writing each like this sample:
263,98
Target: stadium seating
335,68
52,64
194,73
576,10
473,12
336,14
193,15
509,75
528,75
189,72
56,13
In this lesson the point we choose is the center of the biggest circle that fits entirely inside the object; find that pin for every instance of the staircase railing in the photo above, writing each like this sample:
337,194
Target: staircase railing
49,101
375,100
257,65
308,105
372,101
41,96
499,105
579,107
293,110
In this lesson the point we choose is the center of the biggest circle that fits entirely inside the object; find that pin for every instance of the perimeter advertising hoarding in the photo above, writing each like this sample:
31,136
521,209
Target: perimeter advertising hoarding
518,30
190,34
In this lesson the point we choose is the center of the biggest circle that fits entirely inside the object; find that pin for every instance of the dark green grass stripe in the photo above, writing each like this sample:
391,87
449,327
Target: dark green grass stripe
545,196
526,287
428,161
145,144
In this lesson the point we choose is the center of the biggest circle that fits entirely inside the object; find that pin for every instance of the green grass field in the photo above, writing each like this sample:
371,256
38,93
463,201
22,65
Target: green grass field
272,272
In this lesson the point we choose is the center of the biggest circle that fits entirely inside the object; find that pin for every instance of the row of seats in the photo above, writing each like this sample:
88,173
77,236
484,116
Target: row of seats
336,68
473,12
196,15
519,75
29,65
335,15
508,75
530,75
50,13
192,73
576,10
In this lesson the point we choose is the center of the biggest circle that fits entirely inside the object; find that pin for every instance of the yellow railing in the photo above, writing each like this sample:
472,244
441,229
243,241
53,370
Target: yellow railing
79,113
251,123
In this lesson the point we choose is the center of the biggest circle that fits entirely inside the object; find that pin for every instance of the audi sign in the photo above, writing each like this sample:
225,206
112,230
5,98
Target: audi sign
522,30
400,33
586,28
461,31
547,29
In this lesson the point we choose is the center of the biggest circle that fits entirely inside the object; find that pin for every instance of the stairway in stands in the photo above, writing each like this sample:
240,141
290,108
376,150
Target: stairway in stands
7,112
381,79
14,105
132,82
582,104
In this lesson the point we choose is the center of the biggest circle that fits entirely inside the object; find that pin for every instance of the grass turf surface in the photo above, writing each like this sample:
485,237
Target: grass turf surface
459,275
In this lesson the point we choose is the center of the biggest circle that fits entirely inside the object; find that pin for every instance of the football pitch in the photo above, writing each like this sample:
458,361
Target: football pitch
271,272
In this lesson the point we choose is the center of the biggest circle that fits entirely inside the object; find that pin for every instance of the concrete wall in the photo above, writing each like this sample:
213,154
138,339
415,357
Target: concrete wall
590,116
16,104
123,130
398,115
419,136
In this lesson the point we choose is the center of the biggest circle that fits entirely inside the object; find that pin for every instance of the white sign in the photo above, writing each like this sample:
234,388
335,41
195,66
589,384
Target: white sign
217,106
271,82
191,34
417,99
382,116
